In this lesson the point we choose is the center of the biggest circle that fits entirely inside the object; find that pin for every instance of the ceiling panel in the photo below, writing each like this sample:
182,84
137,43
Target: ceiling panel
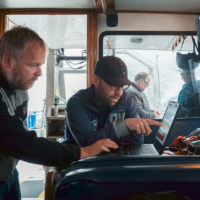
159,5
47,4
192,6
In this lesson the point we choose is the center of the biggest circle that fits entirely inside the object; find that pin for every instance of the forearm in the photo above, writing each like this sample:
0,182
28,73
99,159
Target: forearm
25,145
120,128
97,147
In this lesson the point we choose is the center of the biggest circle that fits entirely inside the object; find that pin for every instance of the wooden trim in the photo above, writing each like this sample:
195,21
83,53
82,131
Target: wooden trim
110,6
105,6
2,22
84,11
99,6
91,45
44,11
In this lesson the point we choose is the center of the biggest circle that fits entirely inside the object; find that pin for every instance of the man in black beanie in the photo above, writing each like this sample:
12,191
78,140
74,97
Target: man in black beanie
22,54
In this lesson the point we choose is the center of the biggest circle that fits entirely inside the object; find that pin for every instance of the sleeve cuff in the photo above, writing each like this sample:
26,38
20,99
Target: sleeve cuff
120,128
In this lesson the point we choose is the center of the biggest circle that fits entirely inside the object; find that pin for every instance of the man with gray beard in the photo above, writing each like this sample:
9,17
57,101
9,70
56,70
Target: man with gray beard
22,53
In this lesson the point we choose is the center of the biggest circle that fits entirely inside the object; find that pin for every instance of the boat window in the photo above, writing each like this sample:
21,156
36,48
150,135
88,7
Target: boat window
65,72
156,54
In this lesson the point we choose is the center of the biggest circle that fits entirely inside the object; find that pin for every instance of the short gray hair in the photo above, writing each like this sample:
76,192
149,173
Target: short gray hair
13,41
141,76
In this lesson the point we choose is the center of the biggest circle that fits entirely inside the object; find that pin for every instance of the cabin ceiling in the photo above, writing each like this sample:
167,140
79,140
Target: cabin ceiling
159,5
187,6
105,6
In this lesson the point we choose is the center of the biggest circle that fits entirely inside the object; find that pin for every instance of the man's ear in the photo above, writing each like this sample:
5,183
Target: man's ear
94,79
6,62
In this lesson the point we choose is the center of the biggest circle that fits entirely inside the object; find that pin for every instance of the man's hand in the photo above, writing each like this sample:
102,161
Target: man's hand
141,126
97,147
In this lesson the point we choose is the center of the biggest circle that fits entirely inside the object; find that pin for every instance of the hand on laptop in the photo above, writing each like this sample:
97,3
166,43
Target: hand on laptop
103,145
141,126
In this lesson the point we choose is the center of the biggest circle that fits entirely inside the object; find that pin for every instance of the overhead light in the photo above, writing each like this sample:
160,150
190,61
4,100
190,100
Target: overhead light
136,40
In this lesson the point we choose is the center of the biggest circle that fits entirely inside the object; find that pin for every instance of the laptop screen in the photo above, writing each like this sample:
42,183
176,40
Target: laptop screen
167,121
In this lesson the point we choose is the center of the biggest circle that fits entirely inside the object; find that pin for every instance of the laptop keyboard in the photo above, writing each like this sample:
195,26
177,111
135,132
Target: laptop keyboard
147,150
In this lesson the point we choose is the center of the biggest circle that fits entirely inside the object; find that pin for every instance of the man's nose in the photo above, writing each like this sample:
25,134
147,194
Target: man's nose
39,71
119,91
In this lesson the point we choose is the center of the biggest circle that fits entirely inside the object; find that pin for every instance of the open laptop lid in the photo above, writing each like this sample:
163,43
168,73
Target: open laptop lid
164,131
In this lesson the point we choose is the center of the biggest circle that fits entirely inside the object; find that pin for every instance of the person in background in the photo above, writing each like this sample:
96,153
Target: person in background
136,91
189,95
105,110
22,53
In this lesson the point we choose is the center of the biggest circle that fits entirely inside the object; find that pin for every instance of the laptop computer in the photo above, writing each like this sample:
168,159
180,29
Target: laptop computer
162,134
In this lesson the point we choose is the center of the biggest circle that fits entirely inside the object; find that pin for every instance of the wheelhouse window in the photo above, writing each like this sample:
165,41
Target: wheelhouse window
156,54
65,70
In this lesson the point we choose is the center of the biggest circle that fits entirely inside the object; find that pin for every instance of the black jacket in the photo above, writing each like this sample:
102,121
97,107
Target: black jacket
17,142
87,122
